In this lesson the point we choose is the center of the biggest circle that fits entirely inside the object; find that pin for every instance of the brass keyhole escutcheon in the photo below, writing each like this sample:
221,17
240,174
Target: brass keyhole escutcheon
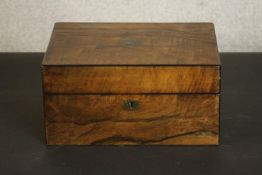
131,104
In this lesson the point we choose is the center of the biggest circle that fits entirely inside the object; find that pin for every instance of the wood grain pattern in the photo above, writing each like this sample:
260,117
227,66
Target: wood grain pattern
132,44
159,119
171,72
131,79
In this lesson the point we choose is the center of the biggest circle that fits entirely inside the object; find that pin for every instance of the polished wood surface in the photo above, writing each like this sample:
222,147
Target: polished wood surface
132,44
159,119
132,83
131,79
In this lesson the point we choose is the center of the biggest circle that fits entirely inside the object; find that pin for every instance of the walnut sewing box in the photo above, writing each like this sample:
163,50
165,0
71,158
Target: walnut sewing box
132,84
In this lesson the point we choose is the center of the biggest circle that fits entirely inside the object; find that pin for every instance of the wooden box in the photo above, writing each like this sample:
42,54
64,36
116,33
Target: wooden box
132,84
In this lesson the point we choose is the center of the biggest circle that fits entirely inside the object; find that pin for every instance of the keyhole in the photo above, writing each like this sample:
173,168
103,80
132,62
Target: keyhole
131,104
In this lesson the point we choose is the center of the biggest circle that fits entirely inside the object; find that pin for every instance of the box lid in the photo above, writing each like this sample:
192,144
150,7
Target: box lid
132,44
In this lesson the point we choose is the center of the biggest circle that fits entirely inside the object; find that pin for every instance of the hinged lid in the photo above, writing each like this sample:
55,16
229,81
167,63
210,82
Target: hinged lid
132,44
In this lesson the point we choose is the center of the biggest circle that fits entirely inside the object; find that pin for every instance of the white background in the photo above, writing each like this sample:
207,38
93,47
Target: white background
26,25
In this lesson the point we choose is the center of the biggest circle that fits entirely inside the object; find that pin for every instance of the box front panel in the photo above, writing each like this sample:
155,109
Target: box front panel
131,79
189,119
